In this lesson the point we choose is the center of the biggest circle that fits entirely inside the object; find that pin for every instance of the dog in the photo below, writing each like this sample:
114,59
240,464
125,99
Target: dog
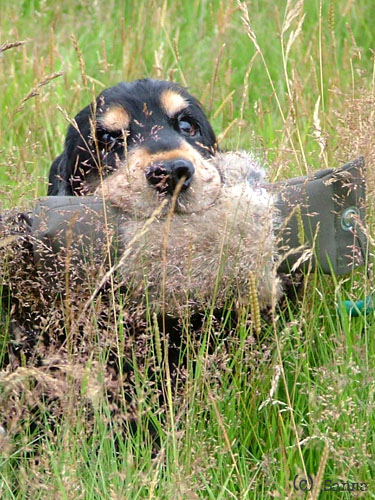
135,146
144,145
156,127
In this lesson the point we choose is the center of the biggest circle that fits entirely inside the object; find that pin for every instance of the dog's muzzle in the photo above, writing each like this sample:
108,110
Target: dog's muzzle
165,175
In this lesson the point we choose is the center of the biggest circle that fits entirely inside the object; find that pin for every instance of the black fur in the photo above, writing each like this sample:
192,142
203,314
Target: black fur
89,147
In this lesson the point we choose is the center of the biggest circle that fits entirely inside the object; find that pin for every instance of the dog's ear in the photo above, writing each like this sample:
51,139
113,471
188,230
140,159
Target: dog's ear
58,183
76,159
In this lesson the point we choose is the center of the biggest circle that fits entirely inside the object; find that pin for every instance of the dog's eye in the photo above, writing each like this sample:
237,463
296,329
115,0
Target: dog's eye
110,141
186,127
108,138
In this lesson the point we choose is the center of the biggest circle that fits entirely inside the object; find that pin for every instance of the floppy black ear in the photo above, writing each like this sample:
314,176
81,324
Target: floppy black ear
59,184
76,159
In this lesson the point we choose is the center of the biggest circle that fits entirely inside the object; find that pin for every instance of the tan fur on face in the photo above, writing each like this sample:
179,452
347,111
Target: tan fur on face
115,118
129,189
173,102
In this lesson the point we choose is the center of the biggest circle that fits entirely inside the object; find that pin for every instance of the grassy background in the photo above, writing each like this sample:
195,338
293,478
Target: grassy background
302,398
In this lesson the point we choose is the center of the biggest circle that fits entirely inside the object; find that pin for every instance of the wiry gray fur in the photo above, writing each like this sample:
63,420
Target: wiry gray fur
203,257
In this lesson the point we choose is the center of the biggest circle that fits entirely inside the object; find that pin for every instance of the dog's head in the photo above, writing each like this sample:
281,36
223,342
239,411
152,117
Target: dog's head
153,133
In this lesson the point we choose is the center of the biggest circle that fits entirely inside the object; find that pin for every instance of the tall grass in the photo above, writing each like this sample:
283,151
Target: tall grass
293,81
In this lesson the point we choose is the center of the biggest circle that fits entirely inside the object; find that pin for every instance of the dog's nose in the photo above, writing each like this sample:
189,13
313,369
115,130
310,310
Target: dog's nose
165,175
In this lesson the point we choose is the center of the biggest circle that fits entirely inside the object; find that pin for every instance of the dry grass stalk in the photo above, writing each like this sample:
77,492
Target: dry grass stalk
331,19
294,35
214,77
319,477
124,256
320,139
321,55
168,381
51,52
34,92
225,132
11,45
165,244
254,303
173,46
244,96
274,385
226,437
224,102
356,50
251,33
291,13
158,350
81,61
301,228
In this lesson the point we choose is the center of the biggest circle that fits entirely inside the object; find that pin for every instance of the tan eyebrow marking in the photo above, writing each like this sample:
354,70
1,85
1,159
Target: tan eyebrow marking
173,102
115,118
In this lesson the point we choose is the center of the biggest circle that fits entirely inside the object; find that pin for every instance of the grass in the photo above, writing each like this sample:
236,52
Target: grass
258,410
